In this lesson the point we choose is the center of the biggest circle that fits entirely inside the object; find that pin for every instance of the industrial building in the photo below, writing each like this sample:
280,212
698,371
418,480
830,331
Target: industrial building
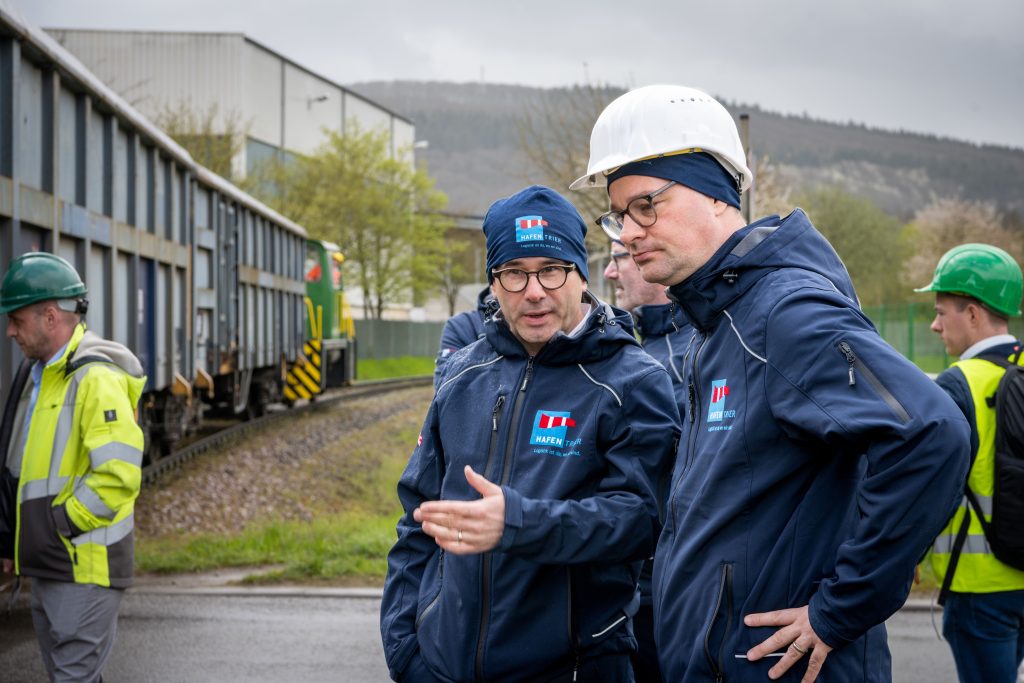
280,104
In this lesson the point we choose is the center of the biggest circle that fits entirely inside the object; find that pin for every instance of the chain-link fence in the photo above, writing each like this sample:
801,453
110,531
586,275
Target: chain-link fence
379,339
907,328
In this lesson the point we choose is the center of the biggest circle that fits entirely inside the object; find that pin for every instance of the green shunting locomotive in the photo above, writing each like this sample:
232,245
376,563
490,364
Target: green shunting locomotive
329,354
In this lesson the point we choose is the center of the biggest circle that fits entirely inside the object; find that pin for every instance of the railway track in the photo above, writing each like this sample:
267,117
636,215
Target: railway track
180,457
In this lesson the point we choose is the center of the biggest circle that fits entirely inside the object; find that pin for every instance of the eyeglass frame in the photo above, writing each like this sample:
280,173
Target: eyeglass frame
566,269
613,258
605,218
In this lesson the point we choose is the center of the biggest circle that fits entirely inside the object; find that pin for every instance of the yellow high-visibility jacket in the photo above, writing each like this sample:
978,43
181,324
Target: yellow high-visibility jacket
977,570
80,466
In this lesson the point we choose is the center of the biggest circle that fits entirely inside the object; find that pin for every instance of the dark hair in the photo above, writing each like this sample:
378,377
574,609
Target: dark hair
961,301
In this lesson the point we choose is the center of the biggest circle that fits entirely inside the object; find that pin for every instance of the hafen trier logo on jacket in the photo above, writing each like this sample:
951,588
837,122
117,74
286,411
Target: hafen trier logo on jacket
550,427
716,409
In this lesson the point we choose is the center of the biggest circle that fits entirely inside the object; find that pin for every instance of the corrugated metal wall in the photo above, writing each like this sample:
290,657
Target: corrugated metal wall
377,339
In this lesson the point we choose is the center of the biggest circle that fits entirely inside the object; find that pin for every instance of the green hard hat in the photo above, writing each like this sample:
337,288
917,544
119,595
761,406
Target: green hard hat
983,272
39,276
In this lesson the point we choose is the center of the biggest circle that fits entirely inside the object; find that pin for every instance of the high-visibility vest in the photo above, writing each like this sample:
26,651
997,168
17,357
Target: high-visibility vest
977,571
81,463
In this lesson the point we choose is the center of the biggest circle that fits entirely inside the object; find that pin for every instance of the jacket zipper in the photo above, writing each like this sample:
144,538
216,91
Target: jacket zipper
694,403
693,398
860,366
493,446
724,590
485,586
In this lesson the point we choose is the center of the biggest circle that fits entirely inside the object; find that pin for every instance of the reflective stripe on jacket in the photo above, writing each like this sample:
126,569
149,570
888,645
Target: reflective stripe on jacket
977,571
81,467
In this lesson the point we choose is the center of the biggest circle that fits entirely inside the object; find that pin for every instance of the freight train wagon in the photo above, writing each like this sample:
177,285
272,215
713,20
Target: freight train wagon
202,281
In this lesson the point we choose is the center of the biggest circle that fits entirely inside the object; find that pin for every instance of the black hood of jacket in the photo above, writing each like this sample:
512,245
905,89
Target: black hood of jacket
486,304
750,254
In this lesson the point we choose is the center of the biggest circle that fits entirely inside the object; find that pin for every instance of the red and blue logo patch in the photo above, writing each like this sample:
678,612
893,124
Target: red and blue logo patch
550,428
530,229
719,391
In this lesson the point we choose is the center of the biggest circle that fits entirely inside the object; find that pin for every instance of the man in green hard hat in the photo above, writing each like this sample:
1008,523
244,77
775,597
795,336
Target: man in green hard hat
977,289
71,453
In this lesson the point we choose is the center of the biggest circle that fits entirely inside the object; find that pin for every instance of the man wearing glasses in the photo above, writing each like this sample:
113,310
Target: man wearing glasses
531,497
816,464
668,338
660,324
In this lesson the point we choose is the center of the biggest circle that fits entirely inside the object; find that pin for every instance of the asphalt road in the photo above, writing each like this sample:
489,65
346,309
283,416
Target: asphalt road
259,636
197,637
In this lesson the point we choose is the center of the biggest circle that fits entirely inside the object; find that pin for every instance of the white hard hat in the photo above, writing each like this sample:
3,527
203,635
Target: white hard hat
661,120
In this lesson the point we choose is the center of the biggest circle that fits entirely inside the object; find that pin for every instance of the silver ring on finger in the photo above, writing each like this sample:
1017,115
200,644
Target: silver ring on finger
799,649
460,536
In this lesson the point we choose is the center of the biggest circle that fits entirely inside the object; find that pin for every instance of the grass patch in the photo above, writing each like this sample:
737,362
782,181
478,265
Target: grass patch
405,366
351,547
348,492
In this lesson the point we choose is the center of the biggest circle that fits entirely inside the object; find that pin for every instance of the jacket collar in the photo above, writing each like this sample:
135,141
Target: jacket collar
61,364
657,320
751,253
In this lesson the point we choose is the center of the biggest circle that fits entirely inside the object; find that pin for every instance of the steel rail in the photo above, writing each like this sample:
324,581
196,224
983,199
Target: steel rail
178,458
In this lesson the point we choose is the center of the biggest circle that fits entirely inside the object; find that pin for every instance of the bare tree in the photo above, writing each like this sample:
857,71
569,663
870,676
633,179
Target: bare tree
554,134
945,223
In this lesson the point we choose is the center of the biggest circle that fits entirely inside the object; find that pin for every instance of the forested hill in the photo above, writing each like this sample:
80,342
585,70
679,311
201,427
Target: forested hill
476,154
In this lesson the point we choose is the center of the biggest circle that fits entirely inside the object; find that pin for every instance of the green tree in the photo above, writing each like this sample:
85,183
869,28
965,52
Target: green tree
871,243
214,141
381,210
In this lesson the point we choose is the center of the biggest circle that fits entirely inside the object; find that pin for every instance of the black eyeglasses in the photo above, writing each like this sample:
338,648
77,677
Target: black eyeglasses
640,209
550,277
615,257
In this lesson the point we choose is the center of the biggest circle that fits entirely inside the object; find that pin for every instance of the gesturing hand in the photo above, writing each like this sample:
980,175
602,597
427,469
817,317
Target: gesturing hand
796,635
466,527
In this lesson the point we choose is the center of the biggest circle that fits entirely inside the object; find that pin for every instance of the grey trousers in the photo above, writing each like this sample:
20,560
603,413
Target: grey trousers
75,626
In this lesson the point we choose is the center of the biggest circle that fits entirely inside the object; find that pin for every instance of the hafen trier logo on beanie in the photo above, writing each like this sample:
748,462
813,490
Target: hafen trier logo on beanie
530,228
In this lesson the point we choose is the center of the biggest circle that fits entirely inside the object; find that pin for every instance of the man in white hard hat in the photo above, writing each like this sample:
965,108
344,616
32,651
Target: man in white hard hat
816,464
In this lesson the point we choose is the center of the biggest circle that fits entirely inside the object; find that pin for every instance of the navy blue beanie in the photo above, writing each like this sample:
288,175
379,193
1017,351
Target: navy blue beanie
697,170
536,221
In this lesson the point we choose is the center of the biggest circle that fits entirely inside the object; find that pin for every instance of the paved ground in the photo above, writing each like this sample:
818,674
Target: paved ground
170,633
199,629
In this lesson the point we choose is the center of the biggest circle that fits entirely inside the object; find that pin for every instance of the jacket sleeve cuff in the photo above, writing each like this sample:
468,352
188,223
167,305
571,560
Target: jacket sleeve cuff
823,629
513,518
65,527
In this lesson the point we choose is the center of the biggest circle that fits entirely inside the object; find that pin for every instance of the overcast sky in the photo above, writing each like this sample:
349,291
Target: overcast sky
954,69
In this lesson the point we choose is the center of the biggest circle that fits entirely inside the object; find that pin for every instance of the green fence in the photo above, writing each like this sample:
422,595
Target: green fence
378,339
906,327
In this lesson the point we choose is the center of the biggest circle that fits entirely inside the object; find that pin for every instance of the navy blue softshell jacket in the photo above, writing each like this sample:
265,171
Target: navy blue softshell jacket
578,437
666,335
815,467
463,329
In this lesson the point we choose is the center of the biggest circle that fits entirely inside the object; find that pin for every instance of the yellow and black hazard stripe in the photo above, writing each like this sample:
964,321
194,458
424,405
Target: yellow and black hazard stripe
305,378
